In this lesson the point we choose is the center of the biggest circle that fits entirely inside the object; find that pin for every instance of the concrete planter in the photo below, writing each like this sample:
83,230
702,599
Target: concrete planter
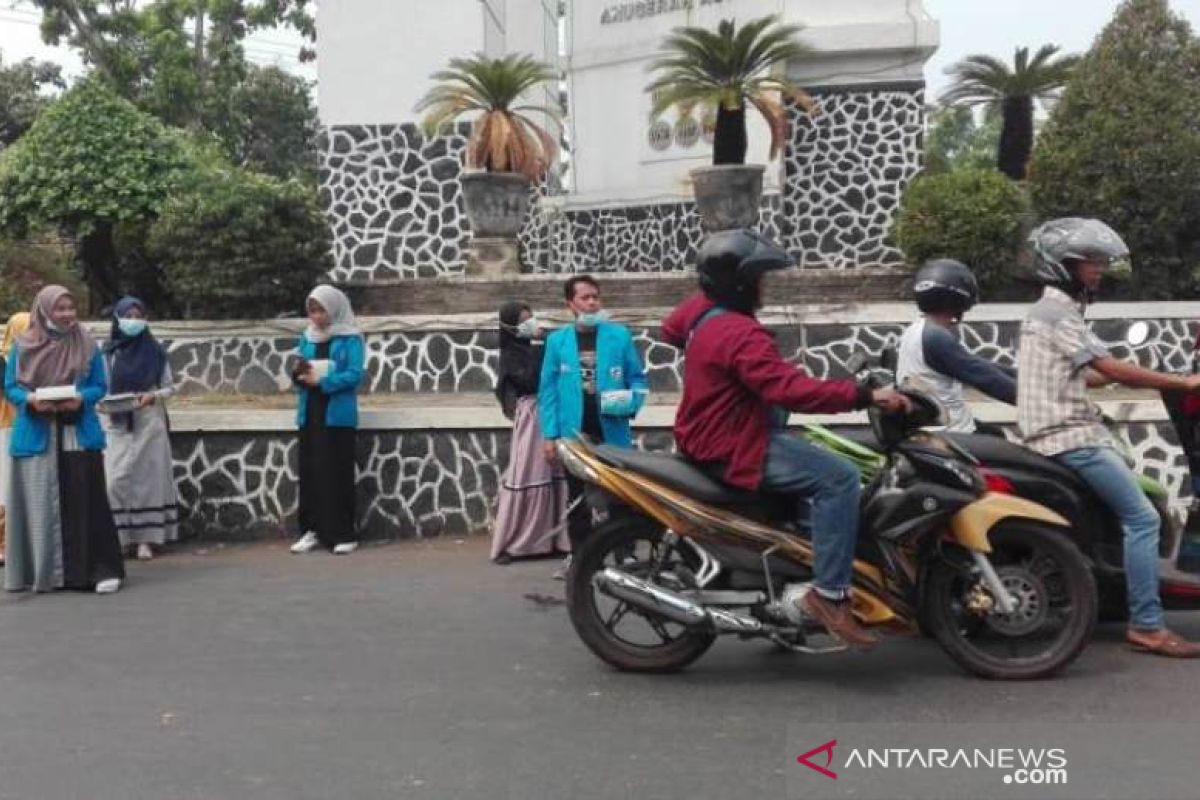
496,204
727,195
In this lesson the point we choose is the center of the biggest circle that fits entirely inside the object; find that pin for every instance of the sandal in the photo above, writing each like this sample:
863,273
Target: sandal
1165,643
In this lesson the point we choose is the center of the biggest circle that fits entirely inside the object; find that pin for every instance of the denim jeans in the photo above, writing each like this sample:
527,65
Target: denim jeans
831,484
1103,469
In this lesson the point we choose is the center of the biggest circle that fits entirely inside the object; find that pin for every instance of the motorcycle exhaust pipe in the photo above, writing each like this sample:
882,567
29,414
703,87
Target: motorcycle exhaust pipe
672,605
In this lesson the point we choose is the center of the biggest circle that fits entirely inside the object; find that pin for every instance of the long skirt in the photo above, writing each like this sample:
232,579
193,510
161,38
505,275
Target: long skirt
533,494
327,480
5,480
60,528
141,480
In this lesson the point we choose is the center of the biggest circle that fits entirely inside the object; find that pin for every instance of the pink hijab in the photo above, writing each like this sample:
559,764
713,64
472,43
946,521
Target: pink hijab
51,357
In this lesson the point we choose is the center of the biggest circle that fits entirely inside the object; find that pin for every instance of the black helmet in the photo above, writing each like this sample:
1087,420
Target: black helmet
1059,242
944,284
731,263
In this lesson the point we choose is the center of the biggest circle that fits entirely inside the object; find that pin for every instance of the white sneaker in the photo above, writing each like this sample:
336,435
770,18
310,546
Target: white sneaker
108,586
308,542
144,553
345,548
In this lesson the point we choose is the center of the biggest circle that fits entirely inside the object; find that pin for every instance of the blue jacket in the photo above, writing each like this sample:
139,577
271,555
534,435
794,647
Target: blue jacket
31,432
560,392
341,384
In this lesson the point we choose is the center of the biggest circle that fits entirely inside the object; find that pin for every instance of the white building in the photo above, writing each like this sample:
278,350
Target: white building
626,203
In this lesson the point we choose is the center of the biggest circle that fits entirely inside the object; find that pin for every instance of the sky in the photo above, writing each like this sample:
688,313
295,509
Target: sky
994,27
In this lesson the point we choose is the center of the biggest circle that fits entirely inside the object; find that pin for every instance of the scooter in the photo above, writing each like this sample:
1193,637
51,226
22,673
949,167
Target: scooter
682,559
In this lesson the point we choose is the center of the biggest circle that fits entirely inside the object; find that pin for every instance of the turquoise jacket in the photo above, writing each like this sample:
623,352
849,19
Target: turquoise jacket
560,392
31,432
341,384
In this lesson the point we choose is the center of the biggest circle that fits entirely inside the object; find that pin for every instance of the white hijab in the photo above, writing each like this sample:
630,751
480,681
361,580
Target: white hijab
341,315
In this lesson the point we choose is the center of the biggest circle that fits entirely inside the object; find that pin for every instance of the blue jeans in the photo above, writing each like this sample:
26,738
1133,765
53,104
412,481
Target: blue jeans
1103,469
831,483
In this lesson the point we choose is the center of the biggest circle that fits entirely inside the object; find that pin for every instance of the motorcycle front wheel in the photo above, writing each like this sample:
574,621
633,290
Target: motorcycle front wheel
619,633
1056,605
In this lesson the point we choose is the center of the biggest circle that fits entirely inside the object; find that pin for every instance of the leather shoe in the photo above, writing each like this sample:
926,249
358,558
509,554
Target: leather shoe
1162,643
837,619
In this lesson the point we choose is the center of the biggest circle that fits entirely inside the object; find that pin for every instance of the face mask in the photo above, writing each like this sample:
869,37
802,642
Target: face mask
131,326
592,320
529,328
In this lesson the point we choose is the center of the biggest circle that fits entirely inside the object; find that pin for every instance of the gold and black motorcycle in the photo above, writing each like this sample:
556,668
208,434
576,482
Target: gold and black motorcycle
682,558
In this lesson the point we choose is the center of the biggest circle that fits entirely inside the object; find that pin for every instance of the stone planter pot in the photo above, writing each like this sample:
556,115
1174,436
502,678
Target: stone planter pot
727,195
496,202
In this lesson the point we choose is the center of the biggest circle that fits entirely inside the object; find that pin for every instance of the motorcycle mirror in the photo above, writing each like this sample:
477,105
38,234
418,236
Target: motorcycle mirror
856,362
1138,333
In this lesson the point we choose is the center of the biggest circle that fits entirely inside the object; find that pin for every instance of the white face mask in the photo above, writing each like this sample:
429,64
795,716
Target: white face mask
593,319
528,329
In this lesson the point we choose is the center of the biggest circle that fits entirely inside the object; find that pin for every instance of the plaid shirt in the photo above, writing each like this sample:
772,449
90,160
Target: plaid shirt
1054,414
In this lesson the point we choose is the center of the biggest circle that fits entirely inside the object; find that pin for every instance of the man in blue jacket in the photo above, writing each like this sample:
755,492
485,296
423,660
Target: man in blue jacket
592,383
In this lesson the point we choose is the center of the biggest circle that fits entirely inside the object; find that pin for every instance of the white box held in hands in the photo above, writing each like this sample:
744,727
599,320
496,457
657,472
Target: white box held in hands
119,403
320,367
52,394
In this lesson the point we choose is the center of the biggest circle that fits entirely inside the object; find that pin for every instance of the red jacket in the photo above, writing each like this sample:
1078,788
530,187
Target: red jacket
733,374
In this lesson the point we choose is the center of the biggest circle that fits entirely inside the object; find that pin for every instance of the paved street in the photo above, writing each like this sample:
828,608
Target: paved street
420,671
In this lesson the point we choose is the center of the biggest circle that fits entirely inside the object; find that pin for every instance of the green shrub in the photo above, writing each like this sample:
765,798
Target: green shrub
235,244
26,266
977,216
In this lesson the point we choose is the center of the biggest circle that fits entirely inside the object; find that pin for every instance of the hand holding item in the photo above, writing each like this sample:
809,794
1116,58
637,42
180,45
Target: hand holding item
68,406
145,400
891,401
550,450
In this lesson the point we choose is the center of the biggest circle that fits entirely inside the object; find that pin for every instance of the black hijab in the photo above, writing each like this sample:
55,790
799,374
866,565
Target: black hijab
520,361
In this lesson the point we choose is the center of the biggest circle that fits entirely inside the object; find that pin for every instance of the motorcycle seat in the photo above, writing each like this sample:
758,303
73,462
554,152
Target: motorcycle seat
993,451
676,472
864,437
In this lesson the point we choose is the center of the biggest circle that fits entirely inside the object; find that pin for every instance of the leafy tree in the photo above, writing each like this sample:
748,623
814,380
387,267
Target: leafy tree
727,69
1123,145
954,139
233,244
91,163
272,124
984,80
21,95
977,216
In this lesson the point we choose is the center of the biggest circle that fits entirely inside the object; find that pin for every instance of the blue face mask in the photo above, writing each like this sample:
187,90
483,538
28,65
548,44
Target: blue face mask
592,320
131,326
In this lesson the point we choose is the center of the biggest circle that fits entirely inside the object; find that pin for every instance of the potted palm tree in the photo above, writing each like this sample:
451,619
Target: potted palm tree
728,69
984,80
506,151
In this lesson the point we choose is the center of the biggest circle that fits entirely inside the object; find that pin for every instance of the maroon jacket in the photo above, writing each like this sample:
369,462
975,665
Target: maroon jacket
733,375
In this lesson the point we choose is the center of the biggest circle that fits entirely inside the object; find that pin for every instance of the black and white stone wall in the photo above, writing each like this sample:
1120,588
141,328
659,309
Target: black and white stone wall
394,200
465,360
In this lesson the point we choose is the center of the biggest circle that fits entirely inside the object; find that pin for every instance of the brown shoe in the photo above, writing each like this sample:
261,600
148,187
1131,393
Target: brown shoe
1162,643
837,619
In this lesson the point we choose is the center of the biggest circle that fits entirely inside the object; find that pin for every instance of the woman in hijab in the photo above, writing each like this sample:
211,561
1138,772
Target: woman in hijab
327,376
17,324
141,483
60,527
532,502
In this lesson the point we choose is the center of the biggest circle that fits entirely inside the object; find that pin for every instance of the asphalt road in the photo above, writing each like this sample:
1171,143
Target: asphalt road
421,671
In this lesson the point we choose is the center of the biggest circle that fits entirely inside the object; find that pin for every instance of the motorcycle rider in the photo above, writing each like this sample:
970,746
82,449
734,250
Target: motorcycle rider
733,377
1058,359
931,353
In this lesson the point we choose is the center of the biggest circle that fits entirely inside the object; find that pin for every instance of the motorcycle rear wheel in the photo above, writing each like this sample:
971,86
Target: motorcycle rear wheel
1054,583
628,543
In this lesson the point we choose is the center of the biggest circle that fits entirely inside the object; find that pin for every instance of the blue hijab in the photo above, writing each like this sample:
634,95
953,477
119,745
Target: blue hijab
137,361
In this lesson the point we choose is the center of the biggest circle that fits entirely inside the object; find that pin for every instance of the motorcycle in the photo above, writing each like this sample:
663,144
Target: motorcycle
682,559
1010,468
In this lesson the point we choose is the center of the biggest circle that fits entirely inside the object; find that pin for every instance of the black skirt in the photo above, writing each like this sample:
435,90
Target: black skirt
91,548
327,476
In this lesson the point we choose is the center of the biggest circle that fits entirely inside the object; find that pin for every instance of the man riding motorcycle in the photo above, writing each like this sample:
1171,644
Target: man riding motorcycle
735,380
931,354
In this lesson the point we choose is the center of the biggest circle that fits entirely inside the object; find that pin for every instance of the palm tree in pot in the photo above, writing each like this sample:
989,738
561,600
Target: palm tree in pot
506,151
729,69
984,80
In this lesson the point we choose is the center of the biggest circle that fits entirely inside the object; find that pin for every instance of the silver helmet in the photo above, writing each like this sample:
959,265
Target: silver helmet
1079,238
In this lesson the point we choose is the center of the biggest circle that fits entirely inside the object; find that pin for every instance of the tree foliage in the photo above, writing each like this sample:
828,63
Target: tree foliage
233,244
1123,145
977,216
955,139
22,95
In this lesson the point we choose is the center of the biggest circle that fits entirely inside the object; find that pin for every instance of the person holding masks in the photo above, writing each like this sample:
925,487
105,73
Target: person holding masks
60,527
532,504
17,324
327,377
141,483
593,383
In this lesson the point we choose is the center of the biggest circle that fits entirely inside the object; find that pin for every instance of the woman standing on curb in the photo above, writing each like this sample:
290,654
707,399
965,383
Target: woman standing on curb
141,480
327,376
60,528
17,324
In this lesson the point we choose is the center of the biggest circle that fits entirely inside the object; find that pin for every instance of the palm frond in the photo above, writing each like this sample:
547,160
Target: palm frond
983,79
